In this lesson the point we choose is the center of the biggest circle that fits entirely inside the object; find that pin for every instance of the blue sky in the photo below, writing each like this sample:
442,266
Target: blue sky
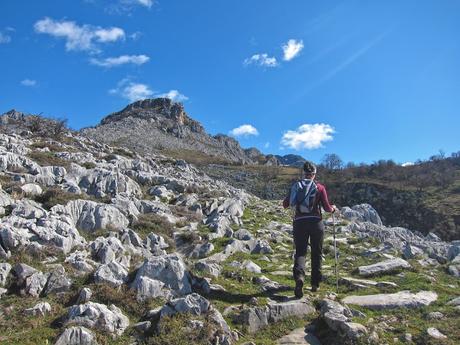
367,80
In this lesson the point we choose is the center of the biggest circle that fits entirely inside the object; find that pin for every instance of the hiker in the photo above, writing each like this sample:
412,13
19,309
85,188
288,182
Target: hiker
307,197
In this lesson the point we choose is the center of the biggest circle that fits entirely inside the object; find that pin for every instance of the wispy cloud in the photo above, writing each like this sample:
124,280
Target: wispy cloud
291,49
308,136
244,131
261,60
79,37
347,62
120,60
134,91
127,6
4,38
28,82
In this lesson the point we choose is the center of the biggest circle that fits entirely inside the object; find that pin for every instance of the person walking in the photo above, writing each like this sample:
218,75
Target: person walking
307,197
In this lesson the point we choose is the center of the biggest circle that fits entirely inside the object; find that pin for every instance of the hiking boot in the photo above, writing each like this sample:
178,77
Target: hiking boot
298,291
314,288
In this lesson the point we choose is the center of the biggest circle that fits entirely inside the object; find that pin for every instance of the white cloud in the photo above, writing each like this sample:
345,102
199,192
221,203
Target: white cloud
146,3
407,164
132,91
308,136
244,130
4,38
174,95
135,91
291,49
261,60
267,145
120,60
77,37
28,82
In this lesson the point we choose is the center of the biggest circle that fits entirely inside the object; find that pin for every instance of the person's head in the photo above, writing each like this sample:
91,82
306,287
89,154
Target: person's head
309,169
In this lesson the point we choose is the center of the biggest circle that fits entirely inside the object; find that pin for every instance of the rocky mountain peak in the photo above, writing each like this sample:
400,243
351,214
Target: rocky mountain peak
156,109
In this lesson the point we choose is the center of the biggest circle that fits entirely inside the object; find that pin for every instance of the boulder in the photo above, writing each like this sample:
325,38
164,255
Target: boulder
258,317
94,315
201,250
402,299
40,309
57,282
211,268
112,273
435,333
31,189
76,335
243,235
362,213
384,267
250,266
89,215
338,319
193,304
170,274
84,295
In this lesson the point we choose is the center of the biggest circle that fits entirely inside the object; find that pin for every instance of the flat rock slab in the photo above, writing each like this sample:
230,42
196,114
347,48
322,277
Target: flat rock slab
402,299
383,267
363,283
298,337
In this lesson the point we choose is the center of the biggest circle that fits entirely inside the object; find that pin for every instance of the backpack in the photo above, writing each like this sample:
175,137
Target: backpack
305,196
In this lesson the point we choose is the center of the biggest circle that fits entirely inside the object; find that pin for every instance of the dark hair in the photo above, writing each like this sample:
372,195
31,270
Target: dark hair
309,168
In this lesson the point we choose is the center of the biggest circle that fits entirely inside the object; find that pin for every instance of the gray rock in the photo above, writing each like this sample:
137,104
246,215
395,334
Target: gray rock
363,213
337,317
384,267
94,315
258,317
250,266
57,282
5,269
201,250
435,333
76,335
84,296
112,273
298,337
89,215
170,274
243,235
454,302
40,309
193,304
31,189
402,299
435,315
411,251
211,268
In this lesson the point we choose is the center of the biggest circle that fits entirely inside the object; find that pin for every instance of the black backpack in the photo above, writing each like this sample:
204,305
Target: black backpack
306,195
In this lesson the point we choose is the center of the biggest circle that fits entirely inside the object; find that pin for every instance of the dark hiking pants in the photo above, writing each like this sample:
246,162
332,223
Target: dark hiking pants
306,231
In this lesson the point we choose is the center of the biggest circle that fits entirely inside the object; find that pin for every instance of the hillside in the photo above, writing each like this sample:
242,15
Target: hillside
99,244
425,197
161,125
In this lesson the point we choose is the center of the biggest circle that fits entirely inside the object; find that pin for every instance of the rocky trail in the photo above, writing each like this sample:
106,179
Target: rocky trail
100,245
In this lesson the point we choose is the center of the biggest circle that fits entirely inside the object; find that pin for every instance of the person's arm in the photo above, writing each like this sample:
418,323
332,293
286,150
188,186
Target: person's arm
325,201
289,200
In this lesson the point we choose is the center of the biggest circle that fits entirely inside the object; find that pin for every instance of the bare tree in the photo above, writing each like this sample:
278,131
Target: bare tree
332,161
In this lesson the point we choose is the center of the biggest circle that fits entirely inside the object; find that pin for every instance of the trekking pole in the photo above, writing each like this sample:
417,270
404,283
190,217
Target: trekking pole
335,254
